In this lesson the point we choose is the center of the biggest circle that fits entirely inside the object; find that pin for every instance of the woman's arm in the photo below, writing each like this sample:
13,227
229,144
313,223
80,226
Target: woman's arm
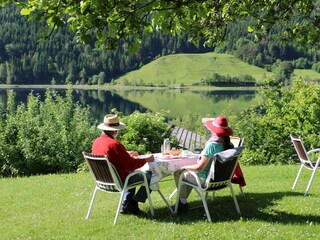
199,166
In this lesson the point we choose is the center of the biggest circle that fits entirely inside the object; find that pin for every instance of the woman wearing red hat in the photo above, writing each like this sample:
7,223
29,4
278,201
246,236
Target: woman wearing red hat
219,141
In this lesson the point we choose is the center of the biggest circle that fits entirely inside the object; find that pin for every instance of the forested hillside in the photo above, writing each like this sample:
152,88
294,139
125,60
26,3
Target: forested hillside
25,60
60,59
269,52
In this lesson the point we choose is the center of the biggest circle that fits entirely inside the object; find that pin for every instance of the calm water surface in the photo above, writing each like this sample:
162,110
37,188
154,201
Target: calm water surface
177,102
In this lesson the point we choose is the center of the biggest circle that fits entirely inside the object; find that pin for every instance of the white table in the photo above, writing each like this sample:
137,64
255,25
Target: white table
165,165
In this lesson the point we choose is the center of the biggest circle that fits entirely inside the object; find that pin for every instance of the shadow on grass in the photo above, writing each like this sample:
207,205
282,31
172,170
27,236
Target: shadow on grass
253,206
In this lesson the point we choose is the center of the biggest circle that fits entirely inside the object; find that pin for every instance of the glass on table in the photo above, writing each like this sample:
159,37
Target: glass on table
184,153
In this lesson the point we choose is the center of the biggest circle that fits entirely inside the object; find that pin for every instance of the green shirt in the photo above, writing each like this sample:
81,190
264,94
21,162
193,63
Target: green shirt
209,151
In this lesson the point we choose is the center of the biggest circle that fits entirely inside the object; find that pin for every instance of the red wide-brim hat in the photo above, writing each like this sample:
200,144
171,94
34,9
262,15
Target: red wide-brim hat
219,126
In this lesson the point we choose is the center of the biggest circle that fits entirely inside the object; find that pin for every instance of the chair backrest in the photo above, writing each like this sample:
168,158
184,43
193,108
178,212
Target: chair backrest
103,172
223,168
301,151
236,141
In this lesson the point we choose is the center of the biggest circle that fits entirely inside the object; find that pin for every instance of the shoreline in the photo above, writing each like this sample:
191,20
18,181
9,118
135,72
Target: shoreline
119,87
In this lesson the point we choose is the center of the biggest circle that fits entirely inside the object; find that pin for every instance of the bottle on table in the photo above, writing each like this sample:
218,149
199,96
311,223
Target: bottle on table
166,146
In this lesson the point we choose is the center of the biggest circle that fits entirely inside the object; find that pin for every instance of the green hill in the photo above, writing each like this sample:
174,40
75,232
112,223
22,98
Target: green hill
190,68
307,74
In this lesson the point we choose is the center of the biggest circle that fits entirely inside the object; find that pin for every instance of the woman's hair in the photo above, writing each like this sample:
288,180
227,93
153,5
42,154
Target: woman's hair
227,144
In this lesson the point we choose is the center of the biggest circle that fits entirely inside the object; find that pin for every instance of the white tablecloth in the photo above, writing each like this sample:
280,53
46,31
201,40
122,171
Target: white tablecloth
164,166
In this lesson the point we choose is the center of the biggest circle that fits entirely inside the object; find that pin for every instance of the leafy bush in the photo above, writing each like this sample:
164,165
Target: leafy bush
286,111
144,132
44,137
267,127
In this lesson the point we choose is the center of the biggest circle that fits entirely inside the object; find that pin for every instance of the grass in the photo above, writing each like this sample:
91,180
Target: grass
306,74
190,68
55,206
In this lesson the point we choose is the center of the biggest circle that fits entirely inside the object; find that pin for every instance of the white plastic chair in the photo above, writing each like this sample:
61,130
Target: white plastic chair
305,161
107,180
219,177
237,142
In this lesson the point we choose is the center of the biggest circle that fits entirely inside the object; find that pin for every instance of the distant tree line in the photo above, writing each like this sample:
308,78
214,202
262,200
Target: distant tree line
226,80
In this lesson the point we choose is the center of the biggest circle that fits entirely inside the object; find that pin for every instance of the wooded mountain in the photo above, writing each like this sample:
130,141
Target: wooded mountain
60,59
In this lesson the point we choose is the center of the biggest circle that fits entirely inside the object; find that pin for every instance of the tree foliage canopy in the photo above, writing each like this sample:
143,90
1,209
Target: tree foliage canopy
105,22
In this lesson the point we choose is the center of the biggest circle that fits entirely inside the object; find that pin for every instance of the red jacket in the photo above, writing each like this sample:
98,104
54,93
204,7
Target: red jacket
117,154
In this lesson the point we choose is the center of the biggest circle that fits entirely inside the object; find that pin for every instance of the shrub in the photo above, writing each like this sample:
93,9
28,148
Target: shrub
144,132
44,137
267,129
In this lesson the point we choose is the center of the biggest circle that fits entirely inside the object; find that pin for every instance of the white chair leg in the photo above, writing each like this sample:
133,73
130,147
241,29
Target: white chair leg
118,209
91,203
213,196
168,205
205,205
298,175
177,199
149,197
206,195
310,181
235,199
173,193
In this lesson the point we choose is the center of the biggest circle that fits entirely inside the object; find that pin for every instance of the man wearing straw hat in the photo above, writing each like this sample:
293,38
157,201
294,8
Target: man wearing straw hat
124,162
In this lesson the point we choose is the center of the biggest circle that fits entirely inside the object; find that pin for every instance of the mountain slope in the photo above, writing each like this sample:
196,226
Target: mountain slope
190,69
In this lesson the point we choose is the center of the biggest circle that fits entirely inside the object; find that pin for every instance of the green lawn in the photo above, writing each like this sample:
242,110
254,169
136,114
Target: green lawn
55,206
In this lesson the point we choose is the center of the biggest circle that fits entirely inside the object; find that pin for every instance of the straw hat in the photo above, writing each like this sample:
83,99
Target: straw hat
219,126
111,122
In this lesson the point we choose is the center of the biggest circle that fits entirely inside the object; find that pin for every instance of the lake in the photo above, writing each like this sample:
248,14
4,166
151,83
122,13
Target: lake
177,101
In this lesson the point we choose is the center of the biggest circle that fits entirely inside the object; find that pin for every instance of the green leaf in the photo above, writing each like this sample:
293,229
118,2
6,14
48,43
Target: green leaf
250,29
26,11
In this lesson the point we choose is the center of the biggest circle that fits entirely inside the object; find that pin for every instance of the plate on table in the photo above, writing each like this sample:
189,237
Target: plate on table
168,157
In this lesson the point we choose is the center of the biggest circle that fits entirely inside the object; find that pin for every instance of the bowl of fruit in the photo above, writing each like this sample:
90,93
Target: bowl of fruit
174,152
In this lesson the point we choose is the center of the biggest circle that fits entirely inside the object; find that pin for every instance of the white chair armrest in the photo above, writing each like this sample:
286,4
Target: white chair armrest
313,150
194,174
138,171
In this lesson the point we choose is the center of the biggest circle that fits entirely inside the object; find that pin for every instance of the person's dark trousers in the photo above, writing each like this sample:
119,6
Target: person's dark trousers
141,195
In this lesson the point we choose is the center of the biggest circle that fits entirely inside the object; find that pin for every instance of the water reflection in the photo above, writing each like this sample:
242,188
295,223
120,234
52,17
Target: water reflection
217,96
178,102
102,102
